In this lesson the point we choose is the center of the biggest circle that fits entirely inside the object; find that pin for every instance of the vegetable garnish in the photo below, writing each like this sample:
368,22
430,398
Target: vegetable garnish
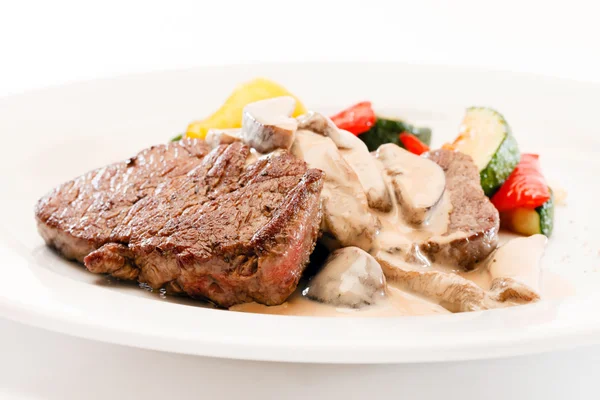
413,144
525,187
230,113
530,221
387,130
356,119
487,138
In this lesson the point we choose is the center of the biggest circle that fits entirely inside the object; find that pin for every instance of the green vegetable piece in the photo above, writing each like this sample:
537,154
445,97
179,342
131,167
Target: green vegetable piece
487,138
501,165
530,221
388,130
546,213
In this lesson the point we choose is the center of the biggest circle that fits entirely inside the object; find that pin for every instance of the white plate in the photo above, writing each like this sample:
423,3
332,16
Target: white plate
56,134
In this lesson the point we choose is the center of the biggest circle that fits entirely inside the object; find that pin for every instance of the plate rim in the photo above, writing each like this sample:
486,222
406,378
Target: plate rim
560,337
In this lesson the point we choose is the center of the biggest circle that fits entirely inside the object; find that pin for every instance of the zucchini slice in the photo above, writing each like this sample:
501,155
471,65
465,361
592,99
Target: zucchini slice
527,221
487,138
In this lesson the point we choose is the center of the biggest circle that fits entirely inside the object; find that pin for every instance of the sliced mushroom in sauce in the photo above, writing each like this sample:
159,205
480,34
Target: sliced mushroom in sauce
418,183
216,137
267,124
510,276
346,216
350,277
356,154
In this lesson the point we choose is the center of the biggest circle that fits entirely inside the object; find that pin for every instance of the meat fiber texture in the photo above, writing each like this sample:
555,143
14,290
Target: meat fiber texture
474,219
192,220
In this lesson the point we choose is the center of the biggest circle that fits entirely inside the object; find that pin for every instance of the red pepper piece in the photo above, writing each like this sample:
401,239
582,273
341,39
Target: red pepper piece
413,144
356,119
525,187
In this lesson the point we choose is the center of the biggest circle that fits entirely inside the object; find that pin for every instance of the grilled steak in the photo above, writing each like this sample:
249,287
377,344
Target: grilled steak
192,220
474,221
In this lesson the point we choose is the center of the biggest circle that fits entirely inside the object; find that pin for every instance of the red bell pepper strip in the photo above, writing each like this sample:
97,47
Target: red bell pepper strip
525,187
356,119
413,144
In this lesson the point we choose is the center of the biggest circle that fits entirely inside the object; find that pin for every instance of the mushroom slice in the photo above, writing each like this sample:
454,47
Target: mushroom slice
418,183
452,291
346,215
508,289
356,154
216,137
267,125
350,277
367,169
319,123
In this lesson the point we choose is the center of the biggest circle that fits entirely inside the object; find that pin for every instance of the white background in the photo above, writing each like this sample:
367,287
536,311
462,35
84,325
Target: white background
54,42
50,42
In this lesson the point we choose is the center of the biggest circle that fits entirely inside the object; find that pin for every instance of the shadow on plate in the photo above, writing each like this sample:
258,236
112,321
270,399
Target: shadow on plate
51,260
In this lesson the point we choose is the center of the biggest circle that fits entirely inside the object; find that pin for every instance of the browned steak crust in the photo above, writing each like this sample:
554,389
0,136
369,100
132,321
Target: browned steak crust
191,220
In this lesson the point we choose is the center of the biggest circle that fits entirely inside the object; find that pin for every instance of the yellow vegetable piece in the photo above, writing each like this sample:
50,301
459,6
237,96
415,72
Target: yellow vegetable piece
230,113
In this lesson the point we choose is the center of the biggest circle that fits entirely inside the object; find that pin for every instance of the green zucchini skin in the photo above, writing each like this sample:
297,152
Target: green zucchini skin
501,165
546,213
505,157
530,221
388,130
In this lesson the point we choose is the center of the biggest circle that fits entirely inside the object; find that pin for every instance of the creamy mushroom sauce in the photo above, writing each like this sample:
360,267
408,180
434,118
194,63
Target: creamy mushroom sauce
399,302
396,303
346,213
418,184
511,275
